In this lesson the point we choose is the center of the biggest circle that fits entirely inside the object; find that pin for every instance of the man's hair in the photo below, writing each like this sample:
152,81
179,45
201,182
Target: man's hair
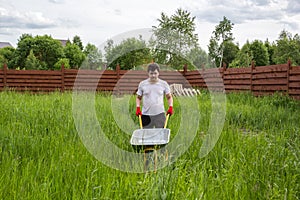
152,67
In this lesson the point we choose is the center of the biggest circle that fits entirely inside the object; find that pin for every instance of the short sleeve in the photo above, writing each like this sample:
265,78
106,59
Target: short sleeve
167,88
140,90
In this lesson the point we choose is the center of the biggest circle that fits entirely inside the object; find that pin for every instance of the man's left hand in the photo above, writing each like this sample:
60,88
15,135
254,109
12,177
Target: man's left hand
170,111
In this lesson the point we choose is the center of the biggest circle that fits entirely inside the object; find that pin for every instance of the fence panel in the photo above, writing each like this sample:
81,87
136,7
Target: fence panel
270,79
214,79
1,79
195,78
261,80
237,79
33,80
294,82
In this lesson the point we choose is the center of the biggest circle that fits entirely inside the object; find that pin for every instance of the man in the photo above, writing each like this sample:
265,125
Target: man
151,91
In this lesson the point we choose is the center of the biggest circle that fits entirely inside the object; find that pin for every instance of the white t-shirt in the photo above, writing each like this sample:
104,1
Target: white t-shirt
153,96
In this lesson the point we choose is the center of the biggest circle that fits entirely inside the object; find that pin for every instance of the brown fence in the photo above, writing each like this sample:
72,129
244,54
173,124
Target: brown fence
261,80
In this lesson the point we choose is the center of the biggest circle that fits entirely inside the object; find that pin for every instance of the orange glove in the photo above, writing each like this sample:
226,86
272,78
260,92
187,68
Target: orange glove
138,111
170,110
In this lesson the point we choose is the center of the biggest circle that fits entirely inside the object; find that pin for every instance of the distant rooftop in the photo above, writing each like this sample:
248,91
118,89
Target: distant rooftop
63,42
5,44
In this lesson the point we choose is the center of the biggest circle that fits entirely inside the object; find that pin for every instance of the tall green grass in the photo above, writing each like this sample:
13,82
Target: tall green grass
256,157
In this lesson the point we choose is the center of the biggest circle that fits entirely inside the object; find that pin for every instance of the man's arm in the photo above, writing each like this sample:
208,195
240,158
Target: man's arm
138,105
170,102
138,100
170,99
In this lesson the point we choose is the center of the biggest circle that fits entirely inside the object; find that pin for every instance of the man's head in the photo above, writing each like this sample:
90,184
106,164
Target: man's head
153,72
153,67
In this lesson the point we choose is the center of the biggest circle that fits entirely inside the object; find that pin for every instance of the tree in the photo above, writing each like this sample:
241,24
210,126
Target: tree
6,55
129,54
32,62
93,57
221,35
198,57
46,49
288,47
244,57
271,48
24,45
174,38
62,62
260,53
78,42
74,54
230,52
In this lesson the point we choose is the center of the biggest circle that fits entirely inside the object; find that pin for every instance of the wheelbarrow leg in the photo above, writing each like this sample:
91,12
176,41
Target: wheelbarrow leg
147,159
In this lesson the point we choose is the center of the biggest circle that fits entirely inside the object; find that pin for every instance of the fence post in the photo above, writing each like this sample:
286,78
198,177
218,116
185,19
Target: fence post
251,75
118,77
4,75
184,74
224,66
289,67
62,88
184,69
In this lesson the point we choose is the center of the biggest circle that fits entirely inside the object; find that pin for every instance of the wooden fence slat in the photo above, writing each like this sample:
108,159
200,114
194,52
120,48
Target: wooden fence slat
268,75
21,81
237,87
269,82
237,82
33,72
269,88
259,80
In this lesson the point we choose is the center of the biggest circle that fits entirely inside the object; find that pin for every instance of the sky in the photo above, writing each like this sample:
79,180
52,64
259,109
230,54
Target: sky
96,21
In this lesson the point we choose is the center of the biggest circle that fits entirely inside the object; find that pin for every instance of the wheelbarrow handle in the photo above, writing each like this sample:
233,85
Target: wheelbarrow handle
166,122
140,121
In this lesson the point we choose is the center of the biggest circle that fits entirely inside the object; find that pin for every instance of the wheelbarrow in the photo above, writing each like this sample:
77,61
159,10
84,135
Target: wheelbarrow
149,140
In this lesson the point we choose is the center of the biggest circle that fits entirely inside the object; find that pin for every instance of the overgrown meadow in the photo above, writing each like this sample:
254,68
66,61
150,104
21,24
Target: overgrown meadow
256,157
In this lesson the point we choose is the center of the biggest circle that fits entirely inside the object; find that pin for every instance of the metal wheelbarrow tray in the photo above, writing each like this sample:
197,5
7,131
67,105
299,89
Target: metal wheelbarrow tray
150,137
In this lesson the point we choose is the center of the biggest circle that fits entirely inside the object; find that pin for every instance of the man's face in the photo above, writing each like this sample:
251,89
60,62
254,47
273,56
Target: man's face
153,75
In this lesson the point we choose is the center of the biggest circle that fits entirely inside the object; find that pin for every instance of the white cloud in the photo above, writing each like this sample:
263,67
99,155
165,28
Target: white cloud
238,11
56,1
15,19
293,7
95,21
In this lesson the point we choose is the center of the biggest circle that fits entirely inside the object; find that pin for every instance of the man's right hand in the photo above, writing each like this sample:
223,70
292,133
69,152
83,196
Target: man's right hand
138,111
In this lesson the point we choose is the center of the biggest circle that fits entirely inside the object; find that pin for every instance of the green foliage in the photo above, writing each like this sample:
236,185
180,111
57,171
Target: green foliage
46,49
74,54
271,48
243,58
32,62
78,42
198,57
3,61
93,57
6,55
260,53
130,53
25,44
174,38
62,62
221,35
288,47
174,43
230,52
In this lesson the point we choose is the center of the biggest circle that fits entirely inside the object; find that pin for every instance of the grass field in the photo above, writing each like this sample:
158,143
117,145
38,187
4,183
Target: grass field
256,157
